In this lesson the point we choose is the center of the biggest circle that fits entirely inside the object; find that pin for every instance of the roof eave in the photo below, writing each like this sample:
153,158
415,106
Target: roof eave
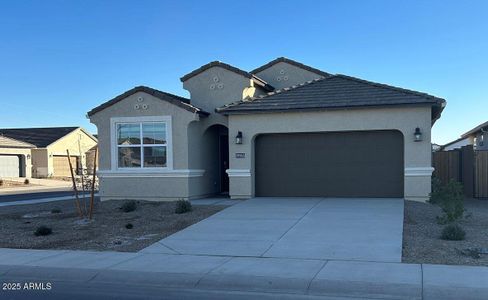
231,111
475,130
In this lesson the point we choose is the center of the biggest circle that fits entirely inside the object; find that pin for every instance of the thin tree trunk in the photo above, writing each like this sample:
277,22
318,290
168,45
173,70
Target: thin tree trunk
77,201
92,198
82,176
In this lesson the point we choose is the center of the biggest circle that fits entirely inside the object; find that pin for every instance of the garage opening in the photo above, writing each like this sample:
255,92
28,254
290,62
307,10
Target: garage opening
61,165
10,166
332,164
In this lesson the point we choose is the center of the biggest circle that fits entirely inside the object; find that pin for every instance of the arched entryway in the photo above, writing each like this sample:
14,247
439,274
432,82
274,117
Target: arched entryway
217,139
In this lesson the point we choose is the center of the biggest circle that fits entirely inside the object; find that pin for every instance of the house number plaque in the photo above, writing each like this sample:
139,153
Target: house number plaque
240,155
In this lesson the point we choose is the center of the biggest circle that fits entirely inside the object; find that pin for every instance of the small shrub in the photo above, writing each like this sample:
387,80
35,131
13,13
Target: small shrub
182,206
453,232
43,230
129,226
26,181
55,211
450,199
129,206
437,191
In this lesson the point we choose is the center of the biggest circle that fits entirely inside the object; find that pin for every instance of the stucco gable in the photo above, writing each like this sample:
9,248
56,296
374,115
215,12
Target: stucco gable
290,62
256,80
173,99
77,140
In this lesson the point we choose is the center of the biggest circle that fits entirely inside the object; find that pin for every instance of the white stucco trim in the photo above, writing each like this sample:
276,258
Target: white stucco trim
419,171
151,173
238,172
113,142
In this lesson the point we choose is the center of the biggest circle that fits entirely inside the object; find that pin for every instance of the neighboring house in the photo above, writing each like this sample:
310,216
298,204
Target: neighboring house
458,143
48,147
15,158
284,129
436,147
478,137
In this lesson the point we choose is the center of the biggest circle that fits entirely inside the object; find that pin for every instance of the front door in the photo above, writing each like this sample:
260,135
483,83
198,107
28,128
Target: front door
224,163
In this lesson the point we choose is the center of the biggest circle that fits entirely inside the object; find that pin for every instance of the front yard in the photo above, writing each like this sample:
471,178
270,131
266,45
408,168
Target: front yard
421,235
108,230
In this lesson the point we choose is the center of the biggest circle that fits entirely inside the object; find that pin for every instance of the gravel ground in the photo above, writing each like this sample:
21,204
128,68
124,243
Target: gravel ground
9,184
151,221
421,235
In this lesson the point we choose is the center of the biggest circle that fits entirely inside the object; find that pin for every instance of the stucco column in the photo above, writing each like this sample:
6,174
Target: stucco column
240,156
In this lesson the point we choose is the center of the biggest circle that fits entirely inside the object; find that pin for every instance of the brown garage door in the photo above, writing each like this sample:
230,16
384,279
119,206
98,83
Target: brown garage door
338,164
61,166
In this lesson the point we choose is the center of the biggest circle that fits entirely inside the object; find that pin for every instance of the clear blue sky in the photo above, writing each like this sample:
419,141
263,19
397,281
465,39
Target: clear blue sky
59,59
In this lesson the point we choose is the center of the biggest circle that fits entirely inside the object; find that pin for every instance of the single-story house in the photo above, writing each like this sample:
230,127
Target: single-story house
284,129
478,137
15,158
47,150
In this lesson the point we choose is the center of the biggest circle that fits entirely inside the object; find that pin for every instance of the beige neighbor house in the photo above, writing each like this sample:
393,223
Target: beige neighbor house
283,129
46,153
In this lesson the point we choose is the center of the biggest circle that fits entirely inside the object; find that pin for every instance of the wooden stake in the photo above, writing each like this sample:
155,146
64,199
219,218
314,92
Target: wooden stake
92,196
82,177
77,201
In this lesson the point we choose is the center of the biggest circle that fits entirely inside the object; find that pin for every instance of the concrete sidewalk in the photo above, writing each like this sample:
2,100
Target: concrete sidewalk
375,280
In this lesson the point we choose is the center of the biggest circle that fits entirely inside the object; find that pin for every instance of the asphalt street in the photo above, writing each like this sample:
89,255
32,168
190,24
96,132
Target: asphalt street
98,291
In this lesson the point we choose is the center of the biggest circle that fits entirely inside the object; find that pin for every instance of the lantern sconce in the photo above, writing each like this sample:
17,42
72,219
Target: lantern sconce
417,134
28,156
239,138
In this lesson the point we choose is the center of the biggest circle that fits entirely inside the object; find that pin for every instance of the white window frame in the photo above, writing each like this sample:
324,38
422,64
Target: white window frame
149,119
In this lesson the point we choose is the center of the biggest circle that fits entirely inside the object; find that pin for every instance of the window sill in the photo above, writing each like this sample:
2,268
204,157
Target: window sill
185,173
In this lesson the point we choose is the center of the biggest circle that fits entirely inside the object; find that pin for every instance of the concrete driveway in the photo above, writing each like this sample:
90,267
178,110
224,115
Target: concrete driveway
304,228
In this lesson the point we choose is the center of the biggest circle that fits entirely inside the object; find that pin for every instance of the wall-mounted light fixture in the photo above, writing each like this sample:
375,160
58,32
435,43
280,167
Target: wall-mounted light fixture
239,138
417,134
28,156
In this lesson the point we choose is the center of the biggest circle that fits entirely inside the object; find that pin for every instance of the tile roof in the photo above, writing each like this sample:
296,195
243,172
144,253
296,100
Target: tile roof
335,91
39,137
174,99
254,78
291,62
478,128
6,142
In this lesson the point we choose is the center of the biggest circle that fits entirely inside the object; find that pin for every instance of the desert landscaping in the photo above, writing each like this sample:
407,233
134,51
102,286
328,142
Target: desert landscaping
115,226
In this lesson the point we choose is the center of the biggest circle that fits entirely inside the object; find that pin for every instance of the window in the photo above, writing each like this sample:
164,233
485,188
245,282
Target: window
142,144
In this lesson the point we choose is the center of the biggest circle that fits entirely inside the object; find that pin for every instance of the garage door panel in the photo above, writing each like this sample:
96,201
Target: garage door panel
9,166
61,165
346,164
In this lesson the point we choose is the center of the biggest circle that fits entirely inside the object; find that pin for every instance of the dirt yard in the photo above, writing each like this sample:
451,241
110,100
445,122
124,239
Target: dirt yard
421,235
151,222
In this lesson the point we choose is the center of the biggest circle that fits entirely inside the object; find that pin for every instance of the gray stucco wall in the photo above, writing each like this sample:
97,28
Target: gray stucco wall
417,155
154,186
282,75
